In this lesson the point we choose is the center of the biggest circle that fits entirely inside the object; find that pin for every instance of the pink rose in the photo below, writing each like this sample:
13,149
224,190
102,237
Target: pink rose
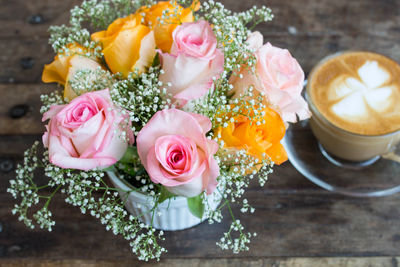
175,152
86,133
279,76
192,63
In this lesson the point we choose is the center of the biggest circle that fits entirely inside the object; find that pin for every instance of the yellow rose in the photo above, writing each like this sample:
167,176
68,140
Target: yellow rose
163,28
127,44
63,68
256,139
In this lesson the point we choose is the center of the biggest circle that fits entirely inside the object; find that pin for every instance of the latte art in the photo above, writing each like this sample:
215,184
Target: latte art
359,92
358,98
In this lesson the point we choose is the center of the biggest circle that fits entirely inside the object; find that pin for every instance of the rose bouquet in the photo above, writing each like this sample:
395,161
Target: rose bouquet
176,101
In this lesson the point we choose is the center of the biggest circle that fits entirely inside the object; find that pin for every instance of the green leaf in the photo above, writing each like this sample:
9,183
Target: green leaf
130,155
165,194
156,61
110,168
196,206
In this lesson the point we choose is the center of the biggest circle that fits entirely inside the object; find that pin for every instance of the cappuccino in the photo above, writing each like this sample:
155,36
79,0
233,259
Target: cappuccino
358,92
355,101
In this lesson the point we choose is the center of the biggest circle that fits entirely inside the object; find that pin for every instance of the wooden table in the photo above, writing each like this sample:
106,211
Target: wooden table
298,223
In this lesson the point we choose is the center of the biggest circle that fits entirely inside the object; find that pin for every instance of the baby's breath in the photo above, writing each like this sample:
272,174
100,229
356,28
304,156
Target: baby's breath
86,190
99,14
87,80
48,100
142,95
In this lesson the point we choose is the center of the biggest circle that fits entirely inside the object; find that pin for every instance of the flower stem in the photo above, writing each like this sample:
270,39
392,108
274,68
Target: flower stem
51,196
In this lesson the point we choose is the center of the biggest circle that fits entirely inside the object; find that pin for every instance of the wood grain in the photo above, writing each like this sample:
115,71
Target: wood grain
19,18
201,262
299,45
311,33
26,95
298,224
288,225
324,17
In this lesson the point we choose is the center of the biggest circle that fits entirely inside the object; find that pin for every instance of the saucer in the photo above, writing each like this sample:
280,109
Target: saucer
381,178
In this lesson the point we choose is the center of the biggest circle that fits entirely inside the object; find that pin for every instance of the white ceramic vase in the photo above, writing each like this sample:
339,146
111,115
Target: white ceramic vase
171,215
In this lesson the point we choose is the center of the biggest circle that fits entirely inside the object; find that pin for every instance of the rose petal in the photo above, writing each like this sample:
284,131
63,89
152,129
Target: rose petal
203,121
78,140
175,132
211,175
190,189
168,122
121,54
56,71
54,110
83,137
147,53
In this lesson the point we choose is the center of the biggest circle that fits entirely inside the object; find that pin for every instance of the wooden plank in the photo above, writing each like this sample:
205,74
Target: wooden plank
15,145
20,18
288,225
380,18
282,262
23,103
307,48
36,52
325,17
326,27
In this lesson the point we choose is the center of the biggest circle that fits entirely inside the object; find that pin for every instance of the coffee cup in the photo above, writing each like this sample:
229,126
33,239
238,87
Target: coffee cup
354,97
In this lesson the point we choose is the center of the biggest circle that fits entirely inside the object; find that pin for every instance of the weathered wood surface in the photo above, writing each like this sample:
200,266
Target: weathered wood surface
201,262
289,223
22,100
294,218
21,18
309,29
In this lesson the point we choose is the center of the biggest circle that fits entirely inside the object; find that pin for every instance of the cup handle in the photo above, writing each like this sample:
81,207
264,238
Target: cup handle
393,156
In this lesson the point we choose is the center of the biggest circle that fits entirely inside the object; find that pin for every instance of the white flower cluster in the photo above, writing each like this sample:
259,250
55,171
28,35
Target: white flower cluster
237,170
83,189
99,14
142,95
232,30
43,219
236,244
23,187
86,190
54,98
86,80
130,169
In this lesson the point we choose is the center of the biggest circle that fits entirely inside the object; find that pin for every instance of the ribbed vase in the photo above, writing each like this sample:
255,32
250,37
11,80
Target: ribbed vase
171,215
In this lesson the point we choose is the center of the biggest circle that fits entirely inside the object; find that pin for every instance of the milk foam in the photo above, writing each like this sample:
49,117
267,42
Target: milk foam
356,96
351,108
380,99
358,92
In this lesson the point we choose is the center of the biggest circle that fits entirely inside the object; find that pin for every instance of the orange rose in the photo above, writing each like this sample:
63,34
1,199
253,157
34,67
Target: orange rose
175,15
63,68
127,44
257,139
